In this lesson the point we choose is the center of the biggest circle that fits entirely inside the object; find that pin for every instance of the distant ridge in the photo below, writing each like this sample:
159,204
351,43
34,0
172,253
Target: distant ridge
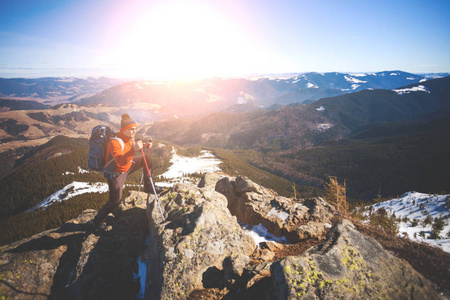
201,97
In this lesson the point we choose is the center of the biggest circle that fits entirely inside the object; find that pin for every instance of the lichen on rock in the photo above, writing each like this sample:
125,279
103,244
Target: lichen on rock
348,265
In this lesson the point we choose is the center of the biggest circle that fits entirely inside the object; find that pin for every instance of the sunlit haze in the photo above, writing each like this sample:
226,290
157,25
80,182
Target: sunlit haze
185,40
192,39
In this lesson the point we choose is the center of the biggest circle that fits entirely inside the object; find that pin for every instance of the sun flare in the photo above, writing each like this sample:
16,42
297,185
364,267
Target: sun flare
180,40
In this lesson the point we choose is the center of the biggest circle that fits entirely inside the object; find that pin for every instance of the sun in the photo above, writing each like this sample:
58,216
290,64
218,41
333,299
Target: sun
186,40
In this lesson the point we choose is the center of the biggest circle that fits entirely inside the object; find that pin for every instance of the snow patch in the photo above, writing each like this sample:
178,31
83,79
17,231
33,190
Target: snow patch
353,80
419,88
82,171
418,206
181,165
282,215
312,86
65,80
323,127
361,75
71,190
321,108
260,234
141,274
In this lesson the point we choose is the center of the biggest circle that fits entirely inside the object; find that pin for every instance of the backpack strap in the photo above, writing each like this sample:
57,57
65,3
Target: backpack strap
122,145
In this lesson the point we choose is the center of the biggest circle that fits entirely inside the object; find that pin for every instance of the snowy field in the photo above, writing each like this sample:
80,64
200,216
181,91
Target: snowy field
418,206
71,190
182,166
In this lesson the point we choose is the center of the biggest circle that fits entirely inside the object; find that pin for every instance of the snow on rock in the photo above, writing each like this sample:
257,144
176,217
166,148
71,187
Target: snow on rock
282,215
419,88
141,274
73,189
416,207
322,108
260,234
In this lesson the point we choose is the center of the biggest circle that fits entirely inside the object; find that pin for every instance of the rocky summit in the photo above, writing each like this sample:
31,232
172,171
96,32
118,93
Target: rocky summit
191,244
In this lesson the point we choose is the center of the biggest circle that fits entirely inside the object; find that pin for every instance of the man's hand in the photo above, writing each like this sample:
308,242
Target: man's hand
138,145
148,144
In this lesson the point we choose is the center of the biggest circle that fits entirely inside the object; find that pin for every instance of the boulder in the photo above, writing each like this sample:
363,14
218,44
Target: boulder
284,217
76,262
192,242
348,265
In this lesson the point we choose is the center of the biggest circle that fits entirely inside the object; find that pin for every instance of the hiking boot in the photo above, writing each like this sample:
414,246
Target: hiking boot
117,213
92,226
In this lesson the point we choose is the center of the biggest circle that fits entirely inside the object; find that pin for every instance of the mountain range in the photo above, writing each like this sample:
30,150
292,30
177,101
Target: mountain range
378,142
168,100
299,142
297,126
53,90
196,98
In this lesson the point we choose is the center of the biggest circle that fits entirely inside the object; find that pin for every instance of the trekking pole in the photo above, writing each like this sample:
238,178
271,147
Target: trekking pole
140,182
153,186
142,176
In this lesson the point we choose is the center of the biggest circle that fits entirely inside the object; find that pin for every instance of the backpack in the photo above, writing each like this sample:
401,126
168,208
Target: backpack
98,141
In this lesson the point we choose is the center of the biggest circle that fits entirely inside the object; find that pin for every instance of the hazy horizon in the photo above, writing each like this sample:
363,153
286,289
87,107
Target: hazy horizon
158,40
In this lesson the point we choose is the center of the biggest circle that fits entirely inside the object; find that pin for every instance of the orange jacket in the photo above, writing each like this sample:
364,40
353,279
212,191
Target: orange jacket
122,158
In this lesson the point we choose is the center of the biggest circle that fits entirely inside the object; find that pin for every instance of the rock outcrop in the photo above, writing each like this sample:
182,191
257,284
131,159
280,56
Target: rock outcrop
348,265
76,262
194,240
197,249
296,220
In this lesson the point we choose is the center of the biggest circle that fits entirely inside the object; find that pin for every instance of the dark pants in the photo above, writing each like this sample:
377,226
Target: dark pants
116,187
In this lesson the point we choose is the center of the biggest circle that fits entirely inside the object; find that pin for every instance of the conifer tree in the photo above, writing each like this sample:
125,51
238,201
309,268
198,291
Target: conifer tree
336,194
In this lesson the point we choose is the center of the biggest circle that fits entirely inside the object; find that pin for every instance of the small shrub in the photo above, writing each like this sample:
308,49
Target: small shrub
447,202
428,220
382,220
436,228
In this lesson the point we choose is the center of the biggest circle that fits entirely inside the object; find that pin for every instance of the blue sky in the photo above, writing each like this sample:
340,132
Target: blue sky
188,39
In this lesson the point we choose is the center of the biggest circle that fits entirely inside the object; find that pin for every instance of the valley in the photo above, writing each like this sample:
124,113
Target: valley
379,143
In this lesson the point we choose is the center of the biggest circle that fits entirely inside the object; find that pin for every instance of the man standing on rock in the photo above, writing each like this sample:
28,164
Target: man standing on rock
120,153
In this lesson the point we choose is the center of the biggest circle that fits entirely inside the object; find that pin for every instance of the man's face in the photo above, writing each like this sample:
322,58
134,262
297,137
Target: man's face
130,132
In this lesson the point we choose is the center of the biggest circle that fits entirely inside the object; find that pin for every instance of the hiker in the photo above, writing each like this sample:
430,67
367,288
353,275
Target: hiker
123,162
